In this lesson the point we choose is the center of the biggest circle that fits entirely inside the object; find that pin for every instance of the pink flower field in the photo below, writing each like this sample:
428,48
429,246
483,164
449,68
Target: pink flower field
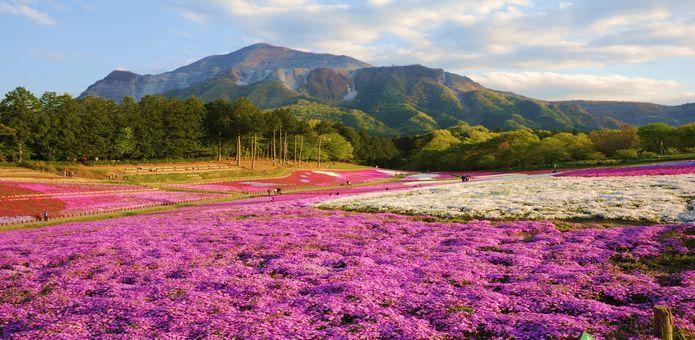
110,202
8,188
670,168
297,179
24,201
261,269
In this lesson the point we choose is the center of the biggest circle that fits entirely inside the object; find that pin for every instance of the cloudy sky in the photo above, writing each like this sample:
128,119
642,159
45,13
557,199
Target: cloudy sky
637,50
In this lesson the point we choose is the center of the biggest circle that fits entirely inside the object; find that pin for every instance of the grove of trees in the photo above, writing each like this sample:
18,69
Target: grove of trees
61,128
465,147
57,127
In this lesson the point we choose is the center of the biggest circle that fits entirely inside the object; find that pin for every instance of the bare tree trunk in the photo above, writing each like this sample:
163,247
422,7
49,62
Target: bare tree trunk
663,323
274,153
21,152
238,149
219,146
280,151
295,148
284,158
253,153
300,148
318,159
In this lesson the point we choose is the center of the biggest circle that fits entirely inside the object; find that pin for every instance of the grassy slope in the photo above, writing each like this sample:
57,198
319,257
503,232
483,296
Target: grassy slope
357,119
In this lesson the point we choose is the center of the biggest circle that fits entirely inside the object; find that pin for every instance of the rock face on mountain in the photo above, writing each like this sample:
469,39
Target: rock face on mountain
328,84
396,100
252,64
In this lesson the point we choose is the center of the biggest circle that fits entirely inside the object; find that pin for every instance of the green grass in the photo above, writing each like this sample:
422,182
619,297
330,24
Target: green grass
183,177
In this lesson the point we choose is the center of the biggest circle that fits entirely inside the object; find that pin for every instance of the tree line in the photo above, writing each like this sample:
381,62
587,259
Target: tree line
62,128
465,147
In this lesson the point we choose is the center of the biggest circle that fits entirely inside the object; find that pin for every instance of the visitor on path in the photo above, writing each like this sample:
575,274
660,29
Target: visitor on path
45,215
279,191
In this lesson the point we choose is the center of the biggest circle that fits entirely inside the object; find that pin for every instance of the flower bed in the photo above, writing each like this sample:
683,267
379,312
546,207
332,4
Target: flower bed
12,188
430,176
25,205
15,211
110,202
645,198
9,189
298,179
671,168
269,270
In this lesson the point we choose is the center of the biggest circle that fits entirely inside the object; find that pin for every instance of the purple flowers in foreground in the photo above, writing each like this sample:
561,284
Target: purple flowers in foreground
284,269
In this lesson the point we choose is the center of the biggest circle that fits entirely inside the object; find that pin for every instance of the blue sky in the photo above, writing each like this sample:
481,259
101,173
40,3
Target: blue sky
642,50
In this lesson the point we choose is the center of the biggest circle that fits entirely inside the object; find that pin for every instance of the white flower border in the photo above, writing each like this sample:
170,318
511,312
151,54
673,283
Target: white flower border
659,199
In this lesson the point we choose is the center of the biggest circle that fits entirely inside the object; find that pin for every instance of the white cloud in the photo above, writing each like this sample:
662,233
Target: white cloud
191,15
475,34
50,55
557,86
543,38
25,10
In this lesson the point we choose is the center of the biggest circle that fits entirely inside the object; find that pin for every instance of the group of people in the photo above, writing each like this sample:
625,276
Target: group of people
276,191
43,216
465,178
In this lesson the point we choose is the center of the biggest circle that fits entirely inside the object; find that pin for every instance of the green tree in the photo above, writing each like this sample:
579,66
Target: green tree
19,111
577,145
514,147
61,127
183,127
125,143
218,122
553,150
686,136
337,147
97,131
608,141
657,137
244,112
149,128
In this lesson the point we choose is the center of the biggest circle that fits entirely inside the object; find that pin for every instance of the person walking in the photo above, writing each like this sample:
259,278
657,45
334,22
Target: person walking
45,215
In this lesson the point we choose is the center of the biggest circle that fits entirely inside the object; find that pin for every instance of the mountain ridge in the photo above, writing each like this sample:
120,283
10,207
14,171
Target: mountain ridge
407,99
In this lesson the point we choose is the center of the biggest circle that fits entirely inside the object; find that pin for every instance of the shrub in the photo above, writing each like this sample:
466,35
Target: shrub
595,156
648,154
672,151
626,154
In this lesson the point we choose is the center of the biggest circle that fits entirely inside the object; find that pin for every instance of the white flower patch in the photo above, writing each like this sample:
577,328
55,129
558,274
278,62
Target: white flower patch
661,199
327,173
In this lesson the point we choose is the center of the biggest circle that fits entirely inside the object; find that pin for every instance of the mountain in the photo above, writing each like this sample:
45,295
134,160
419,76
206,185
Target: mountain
383,100
636,113
358,119
251,64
